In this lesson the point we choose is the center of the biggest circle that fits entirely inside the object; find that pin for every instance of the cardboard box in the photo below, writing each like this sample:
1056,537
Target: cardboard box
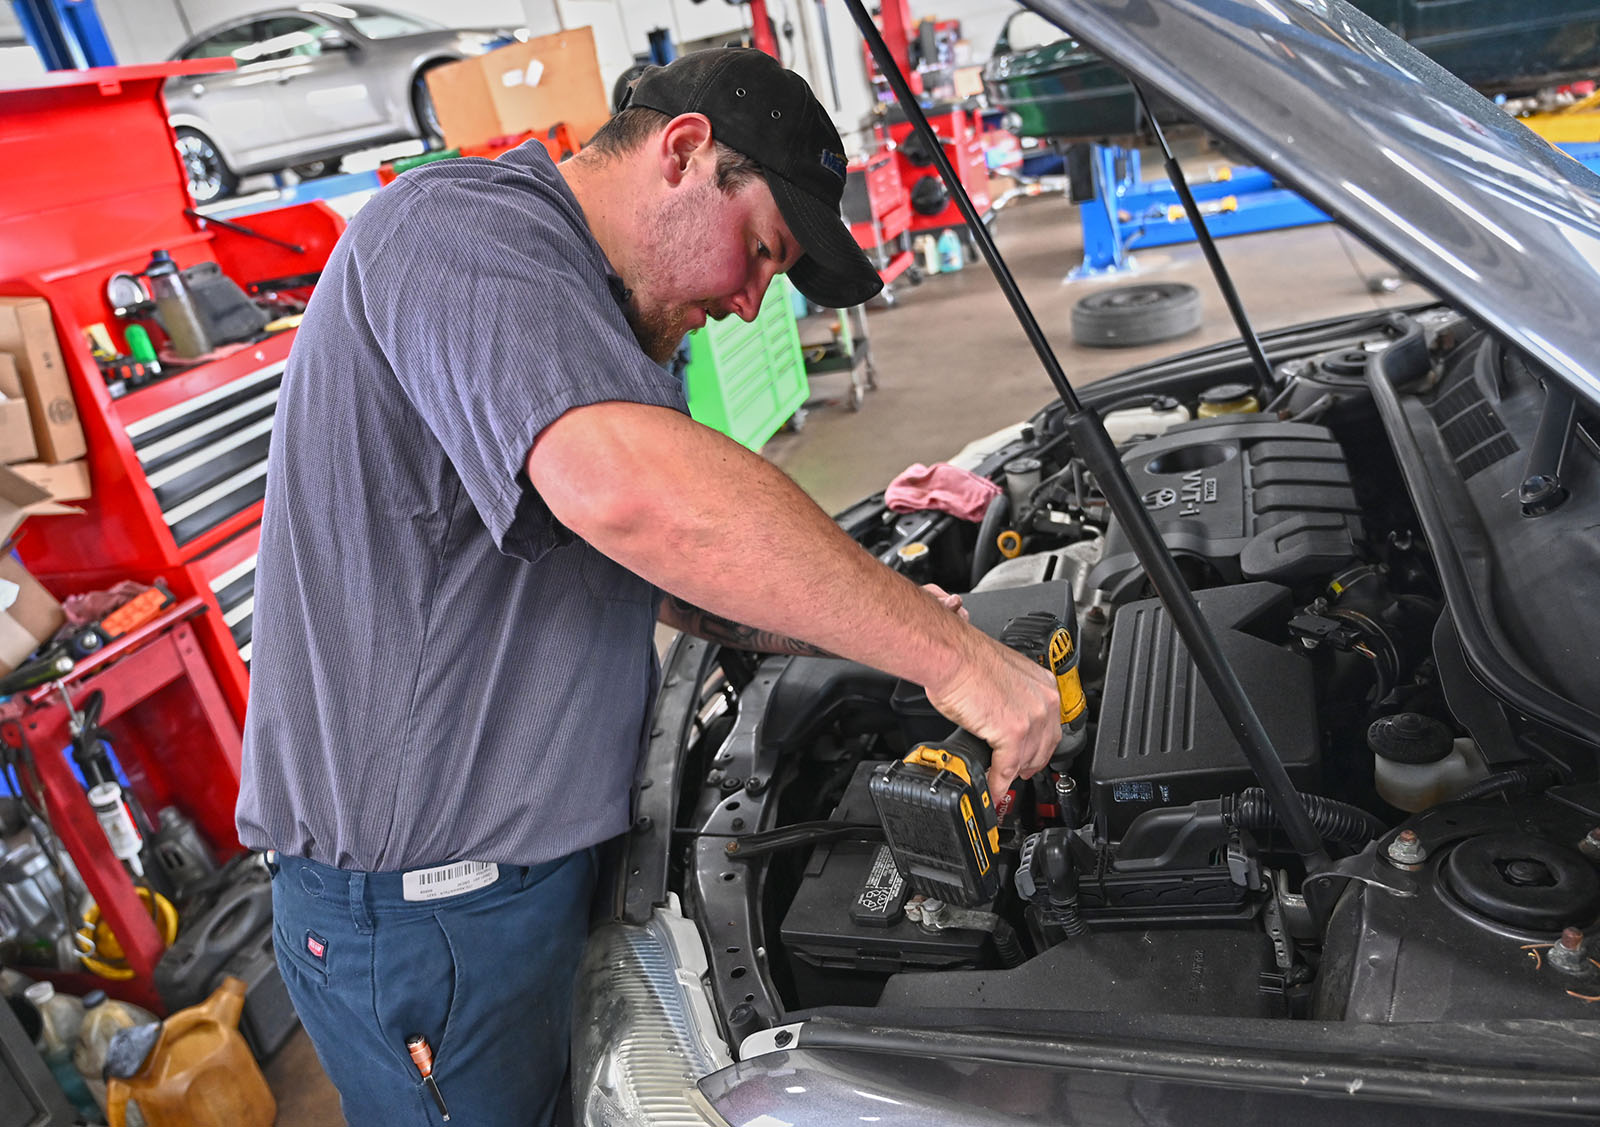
522,86
65,481
29,335
29,615
16,432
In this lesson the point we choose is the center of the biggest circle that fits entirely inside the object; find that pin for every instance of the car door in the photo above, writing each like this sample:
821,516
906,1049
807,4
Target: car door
324,94
1509,45
239,109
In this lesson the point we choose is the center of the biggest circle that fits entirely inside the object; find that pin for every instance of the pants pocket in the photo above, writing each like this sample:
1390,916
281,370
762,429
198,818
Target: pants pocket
415,978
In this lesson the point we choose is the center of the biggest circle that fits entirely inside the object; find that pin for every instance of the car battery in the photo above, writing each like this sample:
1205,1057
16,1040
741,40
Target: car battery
269,1018
940,823
846,927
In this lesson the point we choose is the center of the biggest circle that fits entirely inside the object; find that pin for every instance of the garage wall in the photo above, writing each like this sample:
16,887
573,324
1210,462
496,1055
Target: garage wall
981,20
143,31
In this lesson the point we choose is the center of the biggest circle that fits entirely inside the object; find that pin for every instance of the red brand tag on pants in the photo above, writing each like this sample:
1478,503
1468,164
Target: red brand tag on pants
316,946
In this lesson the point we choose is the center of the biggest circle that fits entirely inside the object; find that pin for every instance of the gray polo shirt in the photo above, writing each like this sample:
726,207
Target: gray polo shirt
440,670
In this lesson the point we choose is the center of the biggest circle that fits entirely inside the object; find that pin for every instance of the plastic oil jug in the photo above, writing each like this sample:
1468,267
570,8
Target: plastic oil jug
951,257
102,1017
198,1073
62,1017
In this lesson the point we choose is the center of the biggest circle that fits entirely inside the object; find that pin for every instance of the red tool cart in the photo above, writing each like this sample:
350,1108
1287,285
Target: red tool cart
177,467
879,213
958,129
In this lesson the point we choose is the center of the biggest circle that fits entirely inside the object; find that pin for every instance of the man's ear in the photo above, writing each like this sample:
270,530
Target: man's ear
685,140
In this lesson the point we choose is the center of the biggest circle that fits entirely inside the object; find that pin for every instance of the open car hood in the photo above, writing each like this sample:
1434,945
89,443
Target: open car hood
1428,172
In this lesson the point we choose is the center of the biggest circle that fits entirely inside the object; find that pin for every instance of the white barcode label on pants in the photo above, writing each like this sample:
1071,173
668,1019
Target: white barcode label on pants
448,880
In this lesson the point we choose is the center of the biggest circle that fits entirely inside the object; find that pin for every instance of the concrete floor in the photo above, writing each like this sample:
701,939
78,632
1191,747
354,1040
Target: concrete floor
953,365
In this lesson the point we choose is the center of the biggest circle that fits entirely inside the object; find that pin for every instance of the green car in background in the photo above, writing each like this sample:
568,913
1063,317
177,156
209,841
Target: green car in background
1052,86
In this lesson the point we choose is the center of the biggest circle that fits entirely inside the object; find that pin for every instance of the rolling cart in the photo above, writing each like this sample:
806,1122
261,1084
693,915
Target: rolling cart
850,352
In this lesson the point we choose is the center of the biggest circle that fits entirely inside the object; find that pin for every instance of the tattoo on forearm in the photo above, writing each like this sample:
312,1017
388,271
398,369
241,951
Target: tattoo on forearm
715,628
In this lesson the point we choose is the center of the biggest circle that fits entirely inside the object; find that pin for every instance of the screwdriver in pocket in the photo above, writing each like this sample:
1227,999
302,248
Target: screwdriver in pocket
422,1056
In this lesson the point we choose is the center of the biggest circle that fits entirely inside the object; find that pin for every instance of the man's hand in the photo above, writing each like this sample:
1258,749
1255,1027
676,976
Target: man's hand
947,600
1010,703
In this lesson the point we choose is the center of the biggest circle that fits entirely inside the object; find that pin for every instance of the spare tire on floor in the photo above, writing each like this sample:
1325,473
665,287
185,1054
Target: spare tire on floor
1129,315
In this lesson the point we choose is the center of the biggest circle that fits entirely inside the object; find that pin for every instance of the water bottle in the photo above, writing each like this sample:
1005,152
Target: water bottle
175,307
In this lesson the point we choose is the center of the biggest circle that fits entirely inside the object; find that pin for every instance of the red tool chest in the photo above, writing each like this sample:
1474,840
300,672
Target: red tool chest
177,468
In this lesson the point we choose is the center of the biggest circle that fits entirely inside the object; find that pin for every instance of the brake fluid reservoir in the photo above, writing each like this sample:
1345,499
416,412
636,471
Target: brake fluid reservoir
1418,765
1149,421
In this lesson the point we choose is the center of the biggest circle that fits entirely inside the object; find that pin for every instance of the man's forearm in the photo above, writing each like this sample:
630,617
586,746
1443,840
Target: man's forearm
723,530
685,616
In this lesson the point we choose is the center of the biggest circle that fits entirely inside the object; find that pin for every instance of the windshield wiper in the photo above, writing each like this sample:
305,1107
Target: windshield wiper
1098,452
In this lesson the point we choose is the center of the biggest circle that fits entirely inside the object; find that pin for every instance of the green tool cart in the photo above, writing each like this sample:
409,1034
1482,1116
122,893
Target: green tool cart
747,380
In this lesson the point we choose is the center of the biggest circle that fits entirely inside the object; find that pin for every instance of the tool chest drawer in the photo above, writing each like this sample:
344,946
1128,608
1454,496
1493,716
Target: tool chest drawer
205,459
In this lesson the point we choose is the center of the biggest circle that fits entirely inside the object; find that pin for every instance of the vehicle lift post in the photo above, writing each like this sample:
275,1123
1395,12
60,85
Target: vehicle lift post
67,34
1130,213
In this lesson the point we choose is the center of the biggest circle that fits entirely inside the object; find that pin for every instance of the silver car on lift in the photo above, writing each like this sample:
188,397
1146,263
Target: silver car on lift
312,83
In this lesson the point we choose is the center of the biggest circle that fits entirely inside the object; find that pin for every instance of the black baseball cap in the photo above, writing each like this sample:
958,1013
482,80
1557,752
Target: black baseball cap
769,114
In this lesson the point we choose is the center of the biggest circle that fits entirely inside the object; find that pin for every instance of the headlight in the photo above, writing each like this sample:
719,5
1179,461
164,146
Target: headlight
642,1028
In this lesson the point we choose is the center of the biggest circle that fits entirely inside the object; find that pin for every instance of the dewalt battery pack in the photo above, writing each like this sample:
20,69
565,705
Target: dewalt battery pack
939,821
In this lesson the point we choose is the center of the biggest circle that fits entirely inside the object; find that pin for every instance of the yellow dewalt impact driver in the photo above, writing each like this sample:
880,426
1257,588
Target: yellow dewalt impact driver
941,824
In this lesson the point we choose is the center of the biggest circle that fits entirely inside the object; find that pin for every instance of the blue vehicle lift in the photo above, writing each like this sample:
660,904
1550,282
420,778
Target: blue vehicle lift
1129,213
67,34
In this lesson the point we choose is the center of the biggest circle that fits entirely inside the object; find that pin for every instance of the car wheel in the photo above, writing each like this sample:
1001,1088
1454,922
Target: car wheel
209,176
427,116
1130,315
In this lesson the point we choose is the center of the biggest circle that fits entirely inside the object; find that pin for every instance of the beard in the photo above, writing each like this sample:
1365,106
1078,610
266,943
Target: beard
658,331
677,224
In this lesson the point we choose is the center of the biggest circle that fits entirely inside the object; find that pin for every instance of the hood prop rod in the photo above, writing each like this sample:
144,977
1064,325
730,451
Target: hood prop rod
1099,453
1208,247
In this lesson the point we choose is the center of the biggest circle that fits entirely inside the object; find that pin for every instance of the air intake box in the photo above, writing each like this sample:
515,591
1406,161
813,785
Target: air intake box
1162,741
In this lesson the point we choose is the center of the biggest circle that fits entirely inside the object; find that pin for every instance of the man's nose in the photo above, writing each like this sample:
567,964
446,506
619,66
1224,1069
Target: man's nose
747,302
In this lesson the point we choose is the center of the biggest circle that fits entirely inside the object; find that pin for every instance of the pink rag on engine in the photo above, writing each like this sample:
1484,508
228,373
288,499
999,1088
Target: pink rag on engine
941,486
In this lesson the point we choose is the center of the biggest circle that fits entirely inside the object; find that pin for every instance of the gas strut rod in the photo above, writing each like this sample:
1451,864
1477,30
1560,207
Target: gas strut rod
1208,247
1094,445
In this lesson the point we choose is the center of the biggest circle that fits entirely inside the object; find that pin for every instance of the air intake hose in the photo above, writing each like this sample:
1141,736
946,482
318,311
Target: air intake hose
1336,821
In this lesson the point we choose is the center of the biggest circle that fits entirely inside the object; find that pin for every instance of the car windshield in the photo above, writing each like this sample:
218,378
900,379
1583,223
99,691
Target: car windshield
374,23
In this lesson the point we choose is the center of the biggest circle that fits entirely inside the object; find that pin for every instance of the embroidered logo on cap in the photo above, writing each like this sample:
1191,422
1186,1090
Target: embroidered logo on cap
317,945
833,162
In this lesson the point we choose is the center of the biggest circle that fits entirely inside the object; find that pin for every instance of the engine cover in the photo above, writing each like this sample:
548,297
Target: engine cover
1162,740
1253,497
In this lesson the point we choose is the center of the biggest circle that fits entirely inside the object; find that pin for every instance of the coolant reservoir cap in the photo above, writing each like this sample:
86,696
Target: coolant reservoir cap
1409,737
1225,393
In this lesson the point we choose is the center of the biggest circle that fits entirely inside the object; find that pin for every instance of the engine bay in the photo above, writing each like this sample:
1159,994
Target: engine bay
1148,872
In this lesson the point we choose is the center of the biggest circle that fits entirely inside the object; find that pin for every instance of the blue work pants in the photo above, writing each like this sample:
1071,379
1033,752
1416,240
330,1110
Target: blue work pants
486,976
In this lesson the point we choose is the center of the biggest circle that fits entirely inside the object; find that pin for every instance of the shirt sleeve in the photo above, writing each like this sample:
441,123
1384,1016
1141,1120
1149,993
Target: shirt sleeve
496,320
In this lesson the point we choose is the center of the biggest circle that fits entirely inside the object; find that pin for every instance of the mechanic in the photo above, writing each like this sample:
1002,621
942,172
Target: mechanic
480,482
